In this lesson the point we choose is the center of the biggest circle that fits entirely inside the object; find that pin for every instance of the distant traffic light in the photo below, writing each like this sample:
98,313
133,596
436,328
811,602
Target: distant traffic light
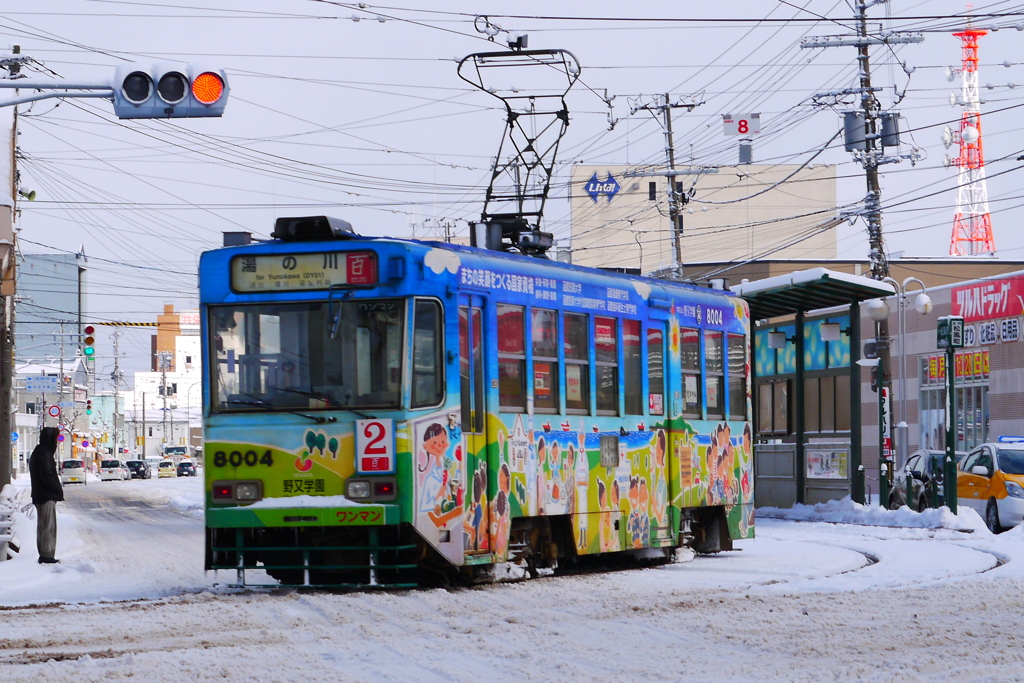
89,341
161,91
88,406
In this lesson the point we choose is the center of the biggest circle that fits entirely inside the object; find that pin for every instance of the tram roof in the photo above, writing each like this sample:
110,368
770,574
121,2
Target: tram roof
808,290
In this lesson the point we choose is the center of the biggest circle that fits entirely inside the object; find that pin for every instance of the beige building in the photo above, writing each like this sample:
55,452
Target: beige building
751,211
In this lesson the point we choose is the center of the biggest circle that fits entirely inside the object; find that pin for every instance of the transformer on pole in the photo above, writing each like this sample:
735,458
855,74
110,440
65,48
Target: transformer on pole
972,225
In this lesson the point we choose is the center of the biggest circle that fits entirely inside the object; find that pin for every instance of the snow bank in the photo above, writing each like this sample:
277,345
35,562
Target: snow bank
846,511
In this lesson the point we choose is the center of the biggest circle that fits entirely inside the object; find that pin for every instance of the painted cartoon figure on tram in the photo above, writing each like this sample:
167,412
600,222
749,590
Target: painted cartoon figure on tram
660,478
476,517
439,491
500,511
582,475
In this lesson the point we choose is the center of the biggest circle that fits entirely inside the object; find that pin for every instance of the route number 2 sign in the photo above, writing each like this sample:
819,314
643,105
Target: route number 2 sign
375,446
745,125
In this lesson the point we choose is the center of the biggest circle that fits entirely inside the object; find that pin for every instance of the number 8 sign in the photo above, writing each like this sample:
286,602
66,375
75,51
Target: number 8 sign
741,124
375,446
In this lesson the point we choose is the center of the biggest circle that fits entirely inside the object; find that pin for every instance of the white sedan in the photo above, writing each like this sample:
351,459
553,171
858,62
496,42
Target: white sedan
114,470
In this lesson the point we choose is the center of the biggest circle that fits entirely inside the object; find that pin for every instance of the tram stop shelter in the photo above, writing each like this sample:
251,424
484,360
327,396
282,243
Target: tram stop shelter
807,384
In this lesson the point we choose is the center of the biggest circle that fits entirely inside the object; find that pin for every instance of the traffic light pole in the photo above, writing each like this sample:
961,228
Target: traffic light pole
949,461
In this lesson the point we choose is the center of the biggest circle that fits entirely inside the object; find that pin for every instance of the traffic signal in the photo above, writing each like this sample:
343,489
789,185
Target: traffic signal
88,406
89,341
162,91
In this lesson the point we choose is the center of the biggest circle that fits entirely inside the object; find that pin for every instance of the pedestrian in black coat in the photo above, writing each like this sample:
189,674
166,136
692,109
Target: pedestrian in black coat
46,491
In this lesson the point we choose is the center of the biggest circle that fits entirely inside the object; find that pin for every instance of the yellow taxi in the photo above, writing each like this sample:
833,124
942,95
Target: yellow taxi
991,480
167,468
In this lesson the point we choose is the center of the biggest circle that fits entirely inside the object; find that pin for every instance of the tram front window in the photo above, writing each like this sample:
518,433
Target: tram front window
283,356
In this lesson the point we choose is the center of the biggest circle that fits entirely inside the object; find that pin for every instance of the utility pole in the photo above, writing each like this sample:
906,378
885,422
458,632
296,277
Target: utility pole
117,388
868,150
165,362
676,197
144,425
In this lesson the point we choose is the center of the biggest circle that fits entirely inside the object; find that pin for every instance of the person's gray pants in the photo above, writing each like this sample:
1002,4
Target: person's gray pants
46,529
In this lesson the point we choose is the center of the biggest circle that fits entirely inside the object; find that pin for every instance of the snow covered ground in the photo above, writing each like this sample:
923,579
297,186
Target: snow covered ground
857,593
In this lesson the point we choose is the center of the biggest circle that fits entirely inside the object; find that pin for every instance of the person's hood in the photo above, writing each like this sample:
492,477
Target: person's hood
48,437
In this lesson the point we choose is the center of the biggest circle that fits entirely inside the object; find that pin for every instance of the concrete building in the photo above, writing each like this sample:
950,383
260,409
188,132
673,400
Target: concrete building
165,406
621,219
51,291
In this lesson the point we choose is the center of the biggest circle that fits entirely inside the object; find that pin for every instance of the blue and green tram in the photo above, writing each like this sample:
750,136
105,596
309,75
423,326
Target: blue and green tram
378,410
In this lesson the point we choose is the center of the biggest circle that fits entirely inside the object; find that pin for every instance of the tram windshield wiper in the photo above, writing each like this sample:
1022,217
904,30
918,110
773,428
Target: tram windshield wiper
319,419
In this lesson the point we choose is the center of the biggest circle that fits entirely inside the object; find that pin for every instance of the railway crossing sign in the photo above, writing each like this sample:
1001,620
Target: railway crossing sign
54,411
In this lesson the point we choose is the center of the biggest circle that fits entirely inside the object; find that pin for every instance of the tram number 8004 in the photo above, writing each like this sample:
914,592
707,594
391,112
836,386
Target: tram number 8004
237,458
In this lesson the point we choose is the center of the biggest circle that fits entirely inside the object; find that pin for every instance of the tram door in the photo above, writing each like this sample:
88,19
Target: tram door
474,422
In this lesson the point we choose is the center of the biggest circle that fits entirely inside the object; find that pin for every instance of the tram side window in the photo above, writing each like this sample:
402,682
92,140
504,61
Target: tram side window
714,369
544,334
512,357
631,367
689,351
606,357
471,370
656,370
577,363
737,376
427,373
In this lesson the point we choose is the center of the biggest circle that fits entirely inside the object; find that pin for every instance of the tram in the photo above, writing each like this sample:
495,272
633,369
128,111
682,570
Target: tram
379,409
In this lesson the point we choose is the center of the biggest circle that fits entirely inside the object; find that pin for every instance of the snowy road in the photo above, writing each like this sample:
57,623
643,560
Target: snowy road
804,601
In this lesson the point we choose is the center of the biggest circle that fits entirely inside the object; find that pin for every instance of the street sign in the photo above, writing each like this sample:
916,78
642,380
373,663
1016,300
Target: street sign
950,332
14,436
41,385
66,404
54,411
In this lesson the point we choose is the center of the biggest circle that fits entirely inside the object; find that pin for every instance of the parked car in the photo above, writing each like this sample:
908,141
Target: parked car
186,468
114,470
991,480
140,469
166,469
920,464
72,472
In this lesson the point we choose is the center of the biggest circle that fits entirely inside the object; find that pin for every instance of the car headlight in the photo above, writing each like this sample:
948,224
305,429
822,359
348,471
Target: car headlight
357,489
1014,490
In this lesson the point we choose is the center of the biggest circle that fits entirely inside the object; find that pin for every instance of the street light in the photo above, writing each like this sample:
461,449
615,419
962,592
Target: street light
923,305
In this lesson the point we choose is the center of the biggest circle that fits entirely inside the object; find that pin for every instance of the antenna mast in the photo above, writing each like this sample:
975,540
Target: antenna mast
972,225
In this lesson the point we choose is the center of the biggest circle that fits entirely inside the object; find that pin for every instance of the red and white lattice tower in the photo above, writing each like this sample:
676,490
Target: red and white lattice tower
972,225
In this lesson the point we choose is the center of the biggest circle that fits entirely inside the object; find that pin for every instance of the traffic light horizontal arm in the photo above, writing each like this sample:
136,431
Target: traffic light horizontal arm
48,95
54,85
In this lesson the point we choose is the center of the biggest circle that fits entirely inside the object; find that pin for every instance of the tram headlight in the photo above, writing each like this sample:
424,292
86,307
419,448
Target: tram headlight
249,490
357,489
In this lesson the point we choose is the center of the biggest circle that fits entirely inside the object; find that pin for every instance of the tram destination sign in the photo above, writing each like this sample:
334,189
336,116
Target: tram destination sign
311,271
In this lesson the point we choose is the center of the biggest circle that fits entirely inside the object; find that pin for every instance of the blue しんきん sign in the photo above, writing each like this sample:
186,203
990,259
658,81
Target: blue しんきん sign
595,188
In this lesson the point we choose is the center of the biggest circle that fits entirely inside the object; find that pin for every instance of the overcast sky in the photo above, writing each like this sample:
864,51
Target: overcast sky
369,121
